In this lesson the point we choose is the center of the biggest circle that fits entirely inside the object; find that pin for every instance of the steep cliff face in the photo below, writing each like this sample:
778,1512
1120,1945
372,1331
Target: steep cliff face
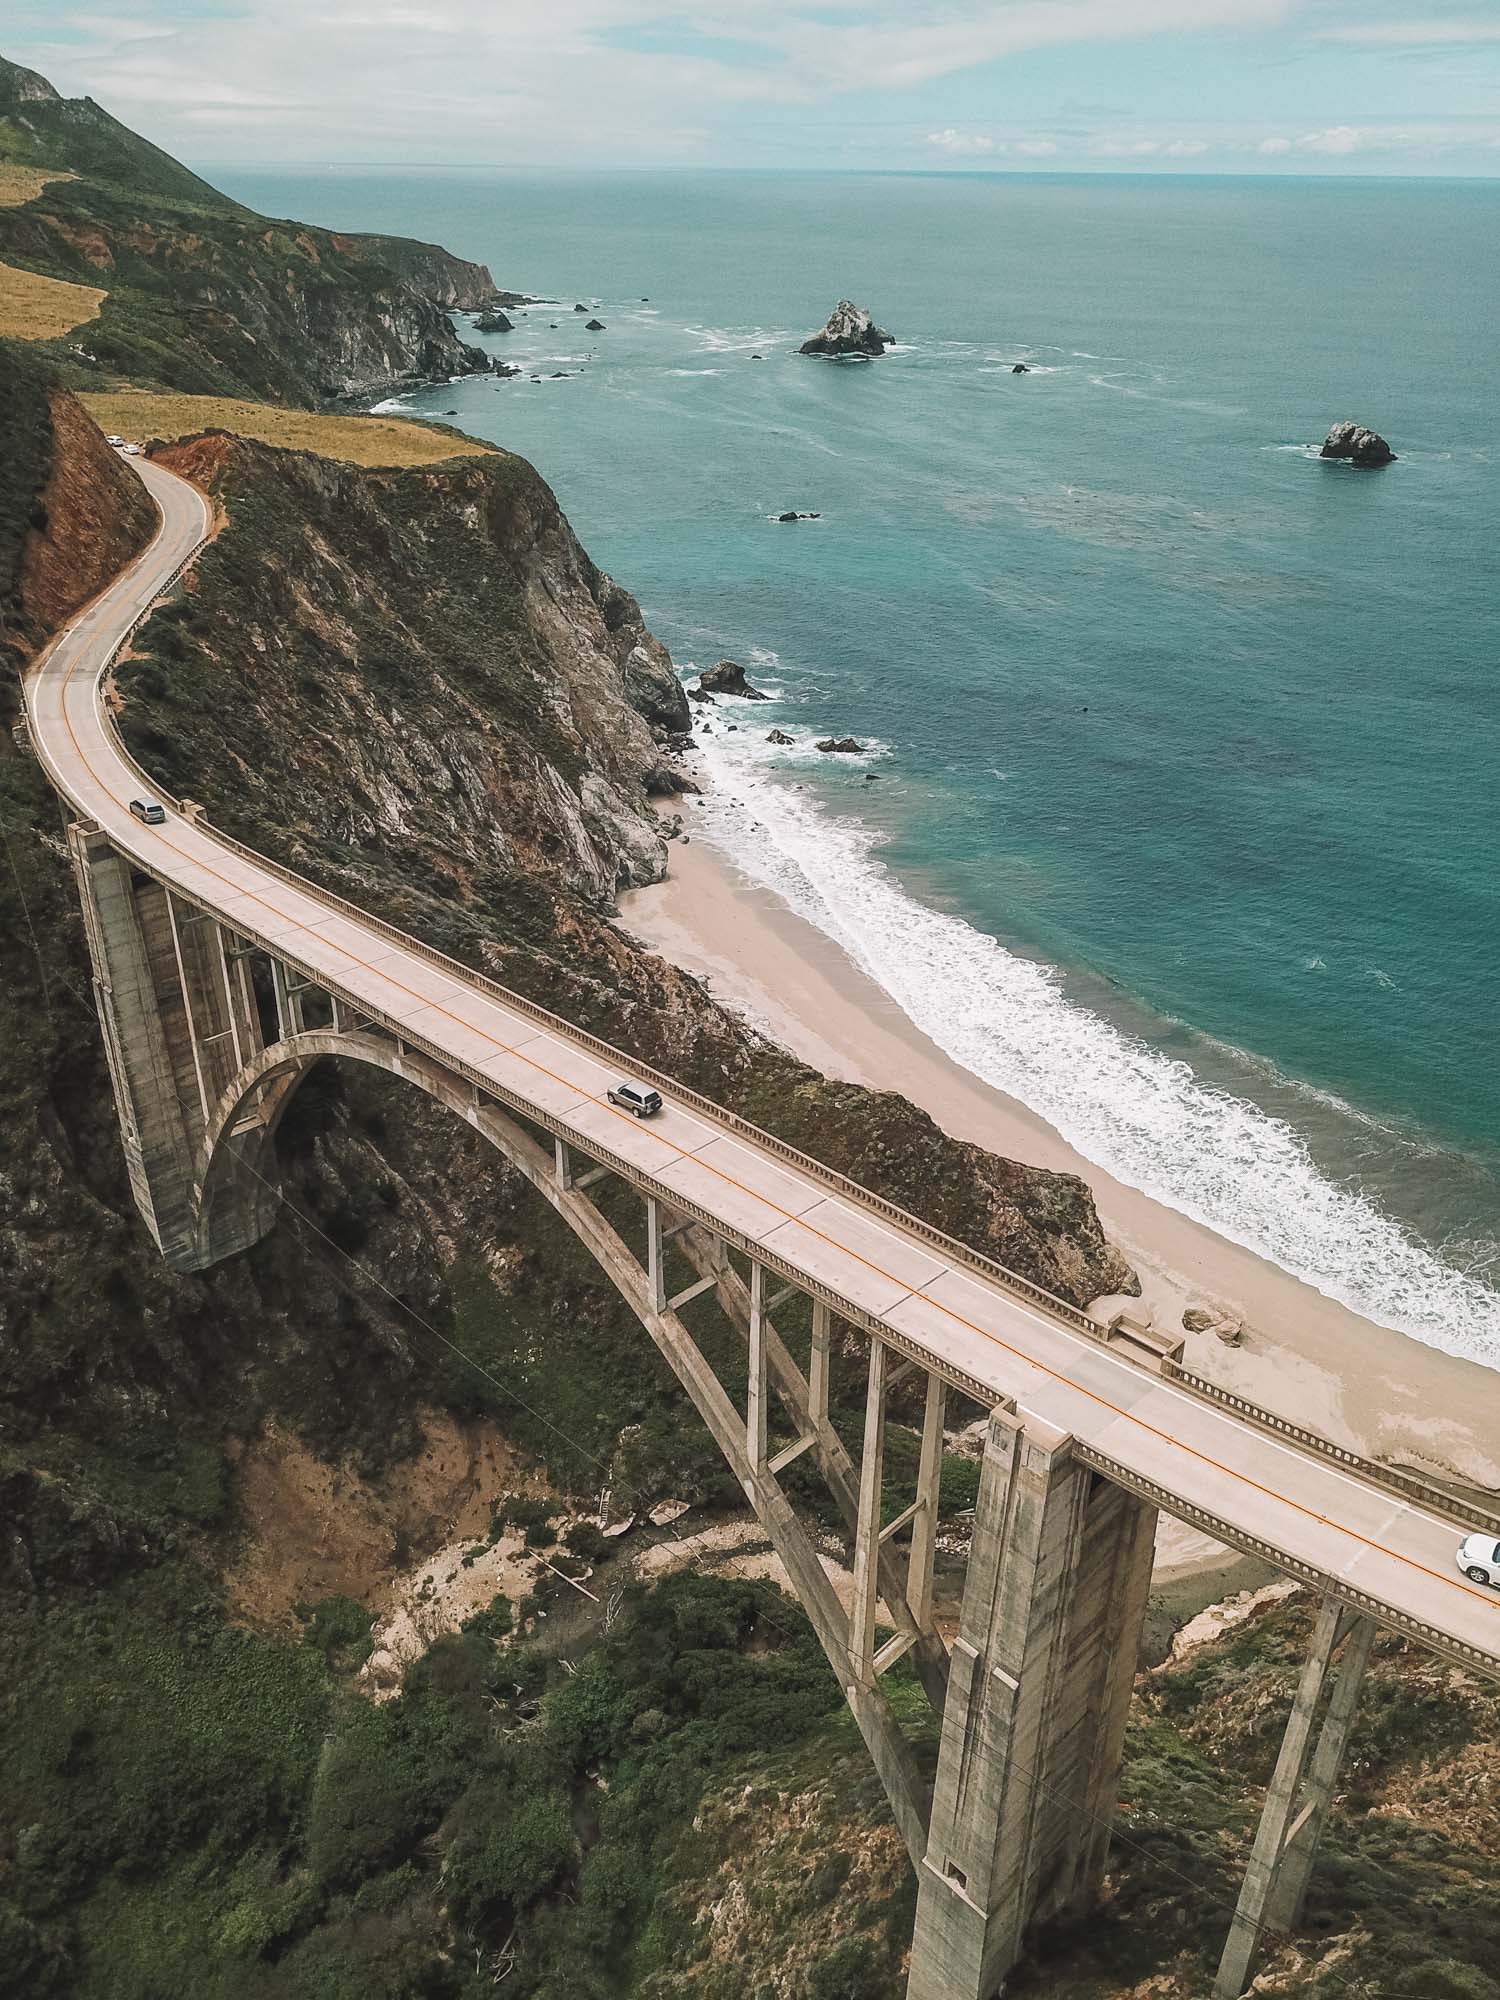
206,296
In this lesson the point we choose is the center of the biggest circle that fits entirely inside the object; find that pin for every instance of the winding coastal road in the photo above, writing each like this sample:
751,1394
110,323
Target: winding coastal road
1341,1526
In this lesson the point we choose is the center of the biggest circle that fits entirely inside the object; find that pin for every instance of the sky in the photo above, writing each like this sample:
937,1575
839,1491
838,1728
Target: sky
1163,86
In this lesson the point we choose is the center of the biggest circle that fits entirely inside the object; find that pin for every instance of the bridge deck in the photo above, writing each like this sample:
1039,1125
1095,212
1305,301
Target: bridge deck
1199,1461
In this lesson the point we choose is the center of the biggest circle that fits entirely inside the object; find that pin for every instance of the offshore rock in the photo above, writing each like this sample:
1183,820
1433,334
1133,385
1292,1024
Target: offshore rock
593,326
493,321
780,737
728,677
1019,368
849,331
841,746
1358,444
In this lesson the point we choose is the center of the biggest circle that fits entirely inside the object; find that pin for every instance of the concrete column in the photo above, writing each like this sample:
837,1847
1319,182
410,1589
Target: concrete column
994,1799
757,1389
925,1521
1300,1792
656,1275
817,1367
867,1536
155,1133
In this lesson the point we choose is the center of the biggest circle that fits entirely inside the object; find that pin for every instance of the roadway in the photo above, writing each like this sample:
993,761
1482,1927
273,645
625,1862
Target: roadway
1254,1489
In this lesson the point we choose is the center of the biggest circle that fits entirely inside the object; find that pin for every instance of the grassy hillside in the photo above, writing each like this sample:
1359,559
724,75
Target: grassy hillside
387,441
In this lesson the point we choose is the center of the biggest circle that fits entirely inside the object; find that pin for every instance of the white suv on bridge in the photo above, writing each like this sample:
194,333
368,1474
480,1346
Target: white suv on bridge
1479,1558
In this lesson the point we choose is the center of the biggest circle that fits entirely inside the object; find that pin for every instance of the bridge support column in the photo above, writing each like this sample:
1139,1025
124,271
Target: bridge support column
128,982
178,1025
1038,1691
1301,1790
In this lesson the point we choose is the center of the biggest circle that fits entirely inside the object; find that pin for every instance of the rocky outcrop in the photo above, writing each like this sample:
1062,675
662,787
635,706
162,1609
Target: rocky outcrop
728,677
791,514
455,591
594,325
1358,445
840,746
493,321
428,268
781,739
849,333
1019,368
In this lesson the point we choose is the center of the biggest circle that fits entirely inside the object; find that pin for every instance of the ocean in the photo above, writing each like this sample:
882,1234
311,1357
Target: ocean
1177,812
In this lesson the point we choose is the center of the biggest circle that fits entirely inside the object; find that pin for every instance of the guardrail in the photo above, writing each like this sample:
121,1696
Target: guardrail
1397,1478
1331,1586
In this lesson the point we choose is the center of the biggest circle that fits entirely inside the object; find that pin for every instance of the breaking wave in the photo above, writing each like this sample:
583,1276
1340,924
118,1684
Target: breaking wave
1144,1117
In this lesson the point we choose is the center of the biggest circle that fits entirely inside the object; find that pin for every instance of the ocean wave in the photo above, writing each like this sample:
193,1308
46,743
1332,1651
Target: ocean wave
739,340
392,406
1144,1117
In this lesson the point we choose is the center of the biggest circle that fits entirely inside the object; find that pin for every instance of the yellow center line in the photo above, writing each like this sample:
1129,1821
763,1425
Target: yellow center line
984,1333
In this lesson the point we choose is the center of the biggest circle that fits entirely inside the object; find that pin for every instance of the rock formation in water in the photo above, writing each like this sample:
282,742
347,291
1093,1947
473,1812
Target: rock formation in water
493,321
728,677
848,333
1019,368
1358,444
594,325
841,746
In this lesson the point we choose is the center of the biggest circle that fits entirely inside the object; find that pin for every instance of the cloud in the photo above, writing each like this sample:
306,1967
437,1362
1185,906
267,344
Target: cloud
959,143
1335,140
1413,34
1274,145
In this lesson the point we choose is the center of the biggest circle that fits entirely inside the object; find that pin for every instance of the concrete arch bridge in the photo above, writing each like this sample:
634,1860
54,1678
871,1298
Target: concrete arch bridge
221,978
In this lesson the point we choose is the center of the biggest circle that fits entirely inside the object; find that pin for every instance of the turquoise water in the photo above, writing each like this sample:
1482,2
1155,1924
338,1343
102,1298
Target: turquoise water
1186,743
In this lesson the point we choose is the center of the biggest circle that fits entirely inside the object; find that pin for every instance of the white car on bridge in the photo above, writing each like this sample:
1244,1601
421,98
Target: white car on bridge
1479,1558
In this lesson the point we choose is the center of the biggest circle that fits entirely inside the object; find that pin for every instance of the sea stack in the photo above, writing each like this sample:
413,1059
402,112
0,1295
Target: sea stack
849,332
1358,445
728,677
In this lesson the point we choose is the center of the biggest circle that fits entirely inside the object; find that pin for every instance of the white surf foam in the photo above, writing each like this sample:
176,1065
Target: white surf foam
1143,1117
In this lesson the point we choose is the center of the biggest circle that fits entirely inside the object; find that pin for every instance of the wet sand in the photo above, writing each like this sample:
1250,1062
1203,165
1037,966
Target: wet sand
1366,1386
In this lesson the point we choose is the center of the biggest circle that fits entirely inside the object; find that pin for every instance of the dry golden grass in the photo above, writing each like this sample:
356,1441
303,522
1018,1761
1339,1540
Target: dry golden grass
389,441
19,185
33,308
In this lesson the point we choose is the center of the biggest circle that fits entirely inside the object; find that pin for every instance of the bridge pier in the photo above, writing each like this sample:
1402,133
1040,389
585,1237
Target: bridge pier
1301,1790
179,1022
1038,1692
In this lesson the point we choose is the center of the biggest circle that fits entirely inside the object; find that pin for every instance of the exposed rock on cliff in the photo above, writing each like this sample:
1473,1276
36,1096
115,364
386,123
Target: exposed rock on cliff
728,677
456,590
1359,445
849,331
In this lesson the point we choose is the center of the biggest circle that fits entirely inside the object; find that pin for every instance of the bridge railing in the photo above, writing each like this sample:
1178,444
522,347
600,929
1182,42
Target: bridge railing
1396,1478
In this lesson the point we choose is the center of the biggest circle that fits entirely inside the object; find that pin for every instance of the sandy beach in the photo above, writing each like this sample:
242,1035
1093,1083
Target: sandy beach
1365,1385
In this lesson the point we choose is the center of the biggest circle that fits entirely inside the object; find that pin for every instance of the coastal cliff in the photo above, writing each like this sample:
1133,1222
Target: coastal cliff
204,295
